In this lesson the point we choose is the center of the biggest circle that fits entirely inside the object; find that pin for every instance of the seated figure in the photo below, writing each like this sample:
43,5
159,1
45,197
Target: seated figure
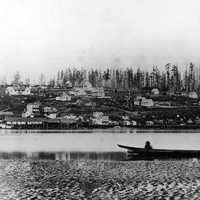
148,145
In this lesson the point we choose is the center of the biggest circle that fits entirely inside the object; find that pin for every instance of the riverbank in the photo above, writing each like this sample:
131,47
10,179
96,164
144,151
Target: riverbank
93,127
177,179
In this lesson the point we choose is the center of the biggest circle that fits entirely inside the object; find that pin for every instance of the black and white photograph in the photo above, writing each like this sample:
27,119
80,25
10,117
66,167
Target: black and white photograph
99,100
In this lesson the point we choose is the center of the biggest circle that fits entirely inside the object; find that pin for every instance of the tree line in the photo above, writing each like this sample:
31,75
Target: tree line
169,79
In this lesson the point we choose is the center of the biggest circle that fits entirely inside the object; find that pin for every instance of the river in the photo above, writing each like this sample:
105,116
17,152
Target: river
96,140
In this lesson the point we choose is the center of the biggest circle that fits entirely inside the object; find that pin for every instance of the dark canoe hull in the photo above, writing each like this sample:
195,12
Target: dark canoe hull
134,153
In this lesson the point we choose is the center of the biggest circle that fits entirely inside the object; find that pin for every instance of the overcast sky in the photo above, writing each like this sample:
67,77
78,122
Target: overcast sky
46,35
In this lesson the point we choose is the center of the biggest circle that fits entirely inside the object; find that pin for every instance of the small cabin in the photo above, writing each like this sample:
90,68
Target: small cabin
155,91
193,95
149,123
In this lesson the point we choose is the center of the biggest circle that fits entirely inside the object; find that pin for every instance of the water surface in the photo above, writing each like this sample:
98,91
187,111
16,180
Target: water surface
96,140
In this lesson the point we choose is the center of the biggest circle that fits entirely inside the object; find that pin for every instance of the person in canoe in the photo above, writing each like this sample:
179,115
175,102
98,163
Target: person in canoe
147,145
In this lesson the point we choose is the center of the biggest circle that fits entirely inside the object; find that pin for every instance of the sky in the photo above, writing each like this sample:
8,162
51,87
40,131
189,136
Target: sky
43,36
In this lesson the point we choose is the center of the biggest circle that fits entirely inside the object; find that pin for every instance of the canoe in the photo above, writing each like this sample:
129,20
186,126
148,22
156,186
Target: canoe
135,153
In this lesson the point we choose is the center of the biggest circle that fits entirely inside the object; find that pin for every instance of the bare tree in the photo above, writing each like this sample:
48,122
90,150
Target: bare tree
16,78
42,80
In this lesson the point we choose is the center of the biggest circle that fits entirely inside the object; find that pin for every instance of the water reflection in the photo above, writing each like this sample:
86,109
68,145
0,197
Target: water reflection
64,155
96,140
109,130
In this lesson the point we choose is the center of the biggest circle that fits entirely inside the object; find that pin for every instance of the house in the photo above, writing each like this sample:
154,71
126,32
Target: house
32,110
50,112
6,113
126,123
193,95
68,119
26,91
125,118
189,121
138,100
18,121
159,121
51,115
149,123
11,91
78,92
147,103
51,92
68,84
63,97
97,114
134,123
86,88
18,90
95,92
70,116
184,94
144,102
197,120
100,119
48,109
155,91
163,104
138,97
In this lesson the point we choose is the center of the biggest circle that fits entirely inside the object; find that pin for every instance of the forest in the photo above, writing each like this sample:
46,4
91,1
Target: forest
171,78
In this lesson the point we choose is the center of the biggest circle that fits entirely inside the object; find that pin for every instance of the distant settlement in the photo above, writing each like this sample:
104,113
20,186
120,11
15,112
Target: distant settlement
84,106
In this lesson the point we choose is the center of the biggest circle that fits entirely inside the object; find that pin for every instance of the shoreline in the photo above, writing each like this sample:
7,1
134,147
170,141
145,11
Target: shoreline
163,127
